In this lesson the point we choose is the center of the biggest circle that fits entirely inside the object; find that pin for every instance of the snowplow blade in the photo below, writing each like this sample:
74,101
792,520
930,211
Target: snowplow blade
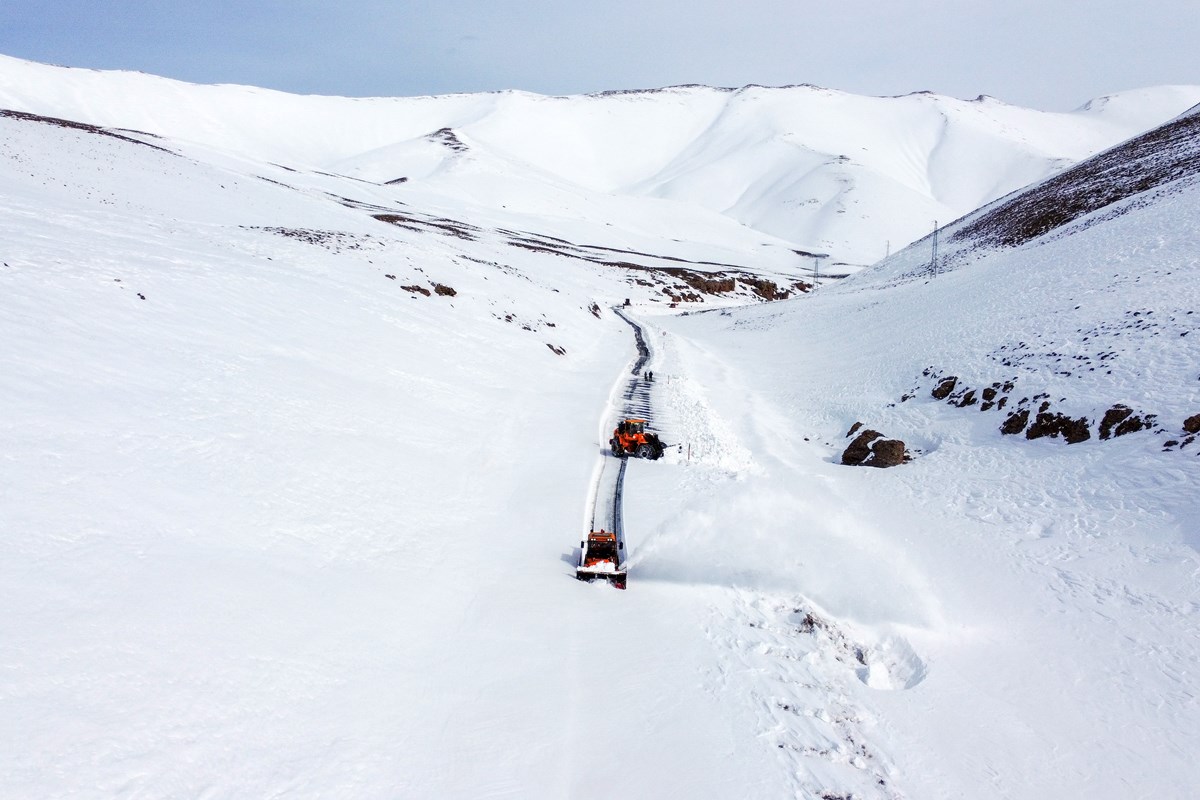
616,577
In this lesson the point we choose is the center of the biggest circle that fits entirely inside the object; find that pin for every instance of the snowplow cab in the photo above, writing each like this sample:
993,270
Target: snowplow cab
601,557
631,439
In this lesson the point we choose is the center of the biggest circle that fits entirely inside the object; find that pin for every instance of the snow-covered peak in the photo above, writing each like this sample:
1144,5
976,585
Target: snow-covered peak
826,170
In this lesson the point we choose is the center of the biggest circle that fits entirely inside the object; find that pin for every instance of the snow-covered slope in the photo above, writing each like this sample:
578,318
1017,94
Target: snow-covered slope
279,516
827,171
1028,606
294,462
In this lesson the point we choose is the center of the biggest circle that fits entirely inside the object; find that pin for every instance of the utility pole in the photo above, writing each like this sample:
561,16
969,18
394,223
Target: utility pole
933,265
817,267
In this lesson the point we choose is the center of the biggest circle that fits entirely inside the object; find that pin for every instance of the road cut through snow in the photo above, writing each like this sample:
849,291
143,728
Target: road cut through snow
630,397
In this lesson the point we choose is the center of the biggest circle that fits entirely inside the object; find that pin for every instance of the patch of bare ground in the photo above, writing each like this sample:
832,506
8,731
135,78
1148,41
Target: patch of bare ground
422,224
85,127
334,241
1165,154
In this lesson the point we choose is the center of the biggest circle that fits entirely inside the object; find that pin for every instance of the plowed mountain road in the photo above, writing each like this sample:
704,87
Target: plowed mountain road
632,401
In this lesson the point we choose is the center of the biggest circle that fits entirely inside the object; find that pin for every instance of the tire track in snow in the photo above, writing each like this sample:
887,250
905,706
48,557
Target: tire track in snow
630,398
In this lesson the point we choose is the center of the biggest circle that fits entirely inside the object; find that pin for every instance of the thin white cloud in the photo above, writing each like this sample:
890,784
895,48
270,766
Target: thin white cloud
1053,54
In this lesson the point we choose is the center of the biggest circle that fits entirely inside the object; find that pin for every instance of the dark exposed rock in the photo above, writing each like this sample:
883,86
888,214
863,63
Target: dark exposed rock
967,399
1120,420
1113,417
872,449
1016,422
1134,424
943,389
854,428
860,449
765,289
416,289
445,291
1056,424
885,453
1192,424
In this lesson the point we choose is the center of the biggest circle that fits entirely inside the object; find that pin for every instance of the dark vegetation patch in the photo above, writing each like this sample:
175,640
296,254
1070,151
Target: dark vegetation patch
421,223
85,127
277,183
689,286
1163,155
334,241
343,177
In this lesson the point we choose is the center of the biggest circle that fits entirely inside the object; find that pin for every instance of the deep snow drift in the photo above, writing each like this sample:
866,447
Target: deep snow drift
295,462
1034,601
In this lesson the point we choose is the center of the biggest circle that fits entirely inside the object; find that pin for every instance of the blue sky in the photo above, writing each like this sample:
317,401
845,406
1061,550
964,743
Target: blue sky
1053,54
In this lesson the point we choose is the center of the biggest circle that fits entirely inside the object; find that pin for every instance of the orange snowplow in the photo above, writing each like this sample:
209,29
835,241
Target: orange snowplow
630,438
601,556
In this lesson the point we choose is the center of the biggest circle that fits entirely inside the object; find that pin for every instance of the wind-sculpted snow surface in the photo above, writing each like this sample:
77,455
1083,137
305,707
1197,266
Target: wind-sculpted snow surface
822,170
293,452
1037,597
288,494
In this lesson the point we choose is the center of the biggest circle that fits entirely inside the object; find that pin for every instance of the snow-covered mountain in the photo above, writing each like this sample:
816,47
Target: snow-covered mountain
295,453
826,171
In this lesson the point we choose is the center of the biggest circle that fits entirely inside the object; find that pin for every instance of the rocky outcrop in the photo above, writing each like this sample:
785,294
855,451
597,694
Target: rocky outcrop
1113,417
872,449
1036,416
943,389
1192,424
886,453
1056,425
859,450
1120,420
1016,422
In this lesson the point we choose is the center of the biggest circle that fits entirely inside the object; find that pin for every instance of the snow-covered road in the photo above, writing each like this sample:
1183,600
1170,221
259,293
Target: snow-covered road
631,397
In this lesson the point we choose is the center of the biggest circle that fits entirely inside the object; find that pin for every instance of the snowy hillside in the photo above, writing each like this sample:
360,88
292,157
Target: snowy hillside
295,455
826,171
1031,604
